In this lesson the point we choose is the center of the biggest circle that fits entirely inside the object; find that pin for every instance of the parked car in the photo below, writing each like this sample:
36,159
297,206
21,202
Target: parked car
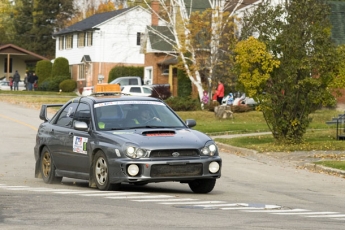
129,80
114,139
137,90
122,81
5,85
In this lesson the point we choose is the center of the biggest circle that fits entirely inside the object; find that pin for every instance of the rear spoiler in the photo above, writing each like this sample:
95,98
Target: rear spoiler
43,112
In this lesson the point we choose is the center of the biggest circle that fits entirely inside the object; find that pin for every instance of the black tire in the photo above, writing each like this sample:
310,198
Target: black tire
202,185
47,168
101,172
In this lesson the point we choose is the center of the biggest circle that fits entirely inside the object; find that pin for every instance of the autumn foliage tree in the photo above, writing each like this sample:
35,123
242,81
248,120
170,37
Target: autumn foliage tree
290,66
201,31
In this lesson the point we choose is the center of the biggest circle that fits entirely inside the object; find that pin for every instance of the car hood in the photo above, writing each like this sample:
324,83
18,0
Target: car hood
161,138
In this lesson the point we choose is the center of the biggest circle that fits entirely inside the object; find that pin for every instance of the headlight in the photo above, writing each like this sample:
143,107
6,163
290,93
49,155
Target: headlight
213,167
209,150
133,170
134,152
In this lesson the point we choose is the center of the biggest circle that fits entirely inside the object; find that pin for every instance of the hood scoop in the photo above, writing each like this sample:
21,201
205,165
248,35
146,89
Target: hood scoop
157,133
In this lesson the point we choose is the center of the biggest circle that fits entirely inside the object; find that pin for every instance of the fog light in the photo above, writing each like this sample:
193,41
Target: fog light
133,170
213,167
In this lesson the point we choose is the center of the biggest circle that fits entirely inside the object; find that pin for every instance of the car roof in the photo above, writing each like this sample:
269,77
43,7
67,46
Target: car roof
99,99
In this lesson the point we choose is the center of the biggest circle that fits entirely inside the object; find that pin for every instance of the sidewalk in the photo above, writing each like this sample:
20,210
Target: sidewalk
299,159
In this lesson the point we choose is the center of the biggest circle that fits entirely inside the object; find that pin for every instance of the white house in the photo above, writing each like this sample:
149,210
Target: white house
98,43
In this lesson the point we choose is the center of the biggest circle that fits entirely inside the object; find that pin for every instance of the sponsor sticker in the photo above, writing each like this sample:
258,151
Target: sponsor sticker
79,144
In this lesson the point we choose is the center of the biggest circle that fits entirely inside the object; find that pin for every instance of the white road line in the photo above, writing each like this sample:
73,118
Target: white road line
160,200
15,187
138,197
48,190
114,194
242,208
305,213
80,192
196,202
224,205
330,216
278,211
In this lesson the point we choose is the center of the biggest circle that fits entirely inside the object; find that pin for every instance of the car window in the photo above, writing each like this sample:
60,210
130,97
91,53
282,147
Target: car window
133,81
131,112
147,90
108,115
135,90
66,116
86,110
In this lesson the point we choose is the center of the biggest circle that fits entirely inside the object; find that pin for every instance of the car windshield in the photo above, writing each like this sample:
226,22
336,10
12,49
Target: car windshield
118,115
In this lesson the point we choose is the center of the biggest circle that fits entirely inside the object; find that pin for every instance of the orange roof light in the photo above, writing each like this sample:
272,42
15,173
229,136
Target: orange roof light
107,88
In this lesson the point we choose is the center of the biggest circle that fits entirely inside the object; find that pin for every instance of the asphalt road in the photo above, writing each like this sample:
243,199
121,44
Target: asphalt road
253,193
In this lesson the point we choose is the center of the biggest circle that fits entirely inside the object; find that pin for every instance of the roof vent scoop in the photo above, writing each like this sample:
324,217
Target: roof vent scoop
159,133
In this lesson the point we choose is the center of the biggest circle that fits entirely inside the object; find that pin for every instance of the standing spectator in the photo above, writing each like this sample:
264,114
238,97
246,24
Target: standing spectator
215,95
220,92
204,100
11,83
35,78
230,99
26,81
16,80
31,82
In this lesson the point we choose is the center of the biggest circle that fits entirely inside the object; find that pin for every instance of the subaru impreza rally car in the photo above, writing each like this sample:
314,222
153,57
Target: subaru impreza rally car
101,138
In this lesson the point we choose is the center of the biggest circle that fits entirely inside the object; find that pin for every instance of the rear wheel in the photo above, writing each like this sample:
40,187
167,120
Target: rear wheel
202,185
101,172
47,168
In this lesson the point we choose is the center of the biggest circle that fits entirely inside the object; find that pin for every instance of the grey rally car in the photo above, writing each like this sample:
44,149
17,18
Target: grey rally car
109,140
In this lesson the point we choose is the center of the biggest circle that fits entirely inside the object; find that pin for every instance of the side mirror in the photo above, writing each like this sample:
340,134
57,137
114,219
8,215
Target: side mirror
80,125
43,113
190,123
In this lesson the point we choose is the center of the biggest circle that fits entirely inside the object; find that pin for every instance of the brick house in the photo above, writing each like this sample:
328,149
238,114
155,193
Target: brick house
96,44
16,58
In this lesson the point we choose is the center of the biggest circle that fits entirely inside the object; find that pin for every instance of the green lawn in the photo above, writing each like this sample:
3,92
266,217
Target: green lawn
318,137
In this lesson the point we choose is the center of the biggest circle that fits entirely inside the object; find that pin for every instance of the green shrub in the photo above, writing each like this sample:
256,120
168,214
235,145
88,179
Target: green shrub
60,67
43,71
52,84
68,85
161,91
183,103
184,88
123,71
241,108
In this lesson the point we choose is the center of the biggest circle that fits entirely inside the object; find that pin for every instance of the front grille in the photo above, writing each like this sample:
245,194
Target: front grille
176,170
169,153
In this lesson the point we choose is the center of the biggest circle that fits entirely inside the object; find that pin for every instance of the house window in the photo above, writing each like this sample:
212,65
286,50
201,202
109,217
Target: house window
69,41
89,38
138,38
81,72
5,65
81,39
61,42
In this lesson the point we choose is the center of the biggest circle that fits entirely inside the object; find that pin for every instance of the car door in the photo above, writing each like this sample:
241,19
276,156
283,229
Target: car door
78,144
60,138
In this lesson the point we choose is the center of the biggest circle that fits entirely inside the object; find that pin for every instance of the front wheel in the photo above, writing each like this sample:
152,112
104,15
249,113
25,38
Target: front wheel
47,168
101,172
202,185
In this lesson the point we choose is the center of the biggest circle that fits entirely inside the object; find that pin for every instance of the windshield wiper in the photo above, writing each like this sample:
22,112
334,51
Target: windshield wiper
117,129
146,127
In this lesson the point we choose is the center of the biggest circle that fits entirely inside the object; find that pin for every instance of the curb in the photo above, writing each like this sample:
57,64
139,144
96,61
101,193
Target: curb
309,166
320,169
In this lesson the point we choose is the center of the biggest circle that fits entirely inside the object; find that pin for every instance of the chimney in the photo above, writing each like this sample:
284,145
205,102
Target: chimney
155,11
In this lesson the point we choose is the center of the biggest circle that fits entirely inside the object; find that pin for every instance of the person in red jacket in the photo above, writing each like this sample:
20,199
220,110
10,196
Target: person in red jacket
220,92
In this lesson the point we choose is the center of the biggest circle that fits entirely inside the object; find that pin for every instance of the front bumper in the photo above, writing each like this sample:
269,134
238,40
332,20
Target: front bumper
163,170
